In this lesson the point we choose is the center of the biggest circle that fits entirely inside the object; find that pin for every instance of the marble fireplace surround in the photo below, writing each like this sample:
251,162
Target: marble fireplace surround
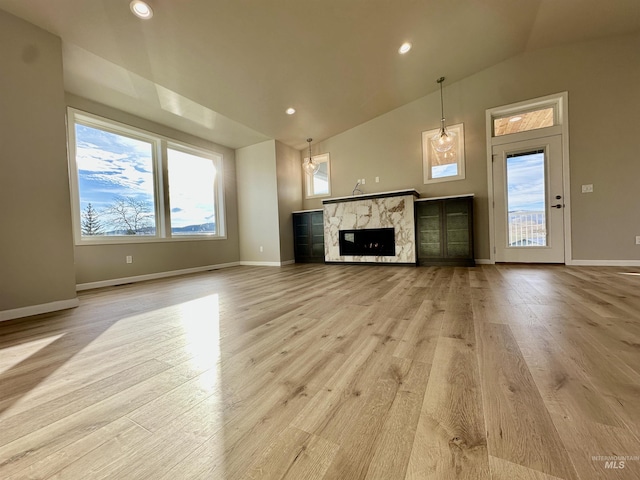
377,210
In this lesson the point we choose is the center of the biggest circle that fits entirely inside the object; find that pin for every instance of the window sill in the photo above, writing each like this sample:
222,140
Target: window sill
139,240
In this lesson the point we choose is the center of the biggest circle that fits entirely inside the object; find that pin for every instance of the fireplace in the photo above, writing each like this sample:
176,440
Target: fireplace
369,241
375,228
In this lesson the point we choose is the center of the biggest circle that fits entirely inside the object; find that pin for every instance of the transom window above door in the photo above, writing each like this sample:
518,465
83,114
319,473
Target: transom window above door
524,121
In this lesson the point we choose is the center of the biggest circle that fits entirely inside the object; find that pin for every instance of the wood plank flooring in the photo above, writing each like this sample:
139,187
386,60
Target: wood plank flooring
331,372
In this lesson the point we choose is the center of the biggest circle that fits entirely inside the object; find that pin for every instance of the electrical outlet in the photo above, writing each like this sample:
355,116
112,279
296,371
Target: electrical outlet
129,259
261,249
637,239
587,188
363,181
377,179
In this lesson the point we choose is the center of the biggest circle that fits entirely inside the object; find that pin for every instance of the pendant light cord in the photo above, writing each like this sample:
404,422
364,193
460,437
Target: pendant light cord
440,80
442,141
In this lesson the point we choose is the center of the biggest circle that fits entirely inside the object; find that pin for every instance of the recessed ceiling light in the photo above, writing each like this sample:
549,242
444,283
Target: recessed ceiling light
515,119
141,9
290,111
404,48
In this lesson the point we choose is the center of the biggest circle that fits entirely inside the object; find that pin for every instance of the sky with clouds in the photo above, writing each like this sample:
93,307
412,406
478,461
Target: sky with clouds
190,192
525,182
112,166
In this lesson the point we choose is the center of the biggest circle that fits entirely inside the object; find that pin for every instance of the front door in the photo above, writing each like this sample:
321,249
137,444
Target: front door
529,201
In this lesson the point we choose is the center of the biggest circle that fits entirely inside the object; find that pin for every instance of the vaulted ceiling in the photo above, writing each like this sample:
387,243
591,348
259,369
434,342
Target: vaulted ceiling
226,70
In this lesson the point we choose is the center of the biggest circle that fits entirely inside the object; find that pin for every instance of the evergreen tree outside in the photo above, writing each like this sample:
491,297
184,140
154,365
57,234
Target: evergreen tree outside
90,225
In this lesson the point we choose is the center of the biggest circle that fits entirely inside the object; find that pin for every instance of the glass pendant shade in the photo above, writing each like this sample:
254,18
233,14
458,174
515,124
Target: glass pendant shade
309,166
443,141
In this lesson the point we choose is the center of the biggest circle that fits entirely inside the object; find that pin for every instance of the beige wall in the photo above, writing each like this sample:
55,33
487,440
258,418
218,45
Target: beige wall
258,203
288,172
36,246
602,78
98,263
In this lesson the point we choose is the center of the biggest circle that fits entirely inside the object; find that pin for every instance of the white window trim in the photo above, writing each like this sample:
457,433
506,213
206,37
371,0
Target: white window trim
559,118
161,191
560,101
308,180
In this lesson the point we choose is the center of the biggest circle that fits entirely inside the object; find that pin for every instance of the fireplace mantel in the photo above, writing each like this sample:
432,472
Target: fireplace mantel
366,196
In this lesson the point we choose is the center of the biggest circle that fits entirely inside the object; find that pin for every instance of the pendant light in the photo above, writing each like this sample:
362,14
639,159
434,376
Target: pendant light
442,141
309,167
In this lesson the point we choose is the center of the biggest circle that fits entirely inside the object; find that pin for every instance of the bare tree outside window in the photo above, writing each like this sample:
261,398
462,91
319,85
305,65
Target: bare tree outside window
118,174
129,215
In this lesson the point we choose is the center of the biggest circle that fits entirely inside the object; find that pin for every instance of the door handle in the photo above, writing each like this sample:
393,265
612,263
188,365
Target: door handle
557,206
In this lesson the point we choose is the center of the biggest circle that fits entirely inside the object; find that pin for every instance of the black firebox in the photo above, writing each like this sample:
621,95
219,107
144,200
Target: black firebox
368,241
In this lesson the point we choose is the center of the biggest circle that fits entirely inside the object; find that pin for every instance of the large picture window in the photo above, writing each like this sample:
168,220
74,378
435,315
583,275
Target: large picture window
130,185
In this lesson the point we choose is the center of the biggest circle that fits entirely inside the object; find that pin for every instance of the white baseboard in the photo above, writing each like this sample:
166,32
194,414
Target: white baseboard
484,261
38,309
266,264
152,276
605,263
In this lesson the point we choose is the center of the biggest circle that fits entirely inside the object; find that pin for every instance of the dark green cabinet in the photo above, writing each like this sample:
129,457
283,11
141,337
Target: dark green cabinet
444,230
308,236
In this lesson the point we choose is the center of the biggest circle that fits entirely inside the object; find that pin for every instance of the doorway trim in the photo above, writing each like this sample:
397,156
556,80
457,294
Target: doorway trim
560,102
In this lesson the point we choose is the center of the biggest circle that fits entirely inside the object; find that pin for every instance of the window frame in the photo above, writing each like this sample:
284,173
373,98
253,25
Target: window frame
458,129
162,209
218,188
556,117
308,180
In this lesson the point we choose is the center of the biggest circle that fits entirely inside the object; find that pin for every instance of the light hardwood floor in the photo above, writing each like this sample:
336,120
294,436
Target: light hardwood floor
331,372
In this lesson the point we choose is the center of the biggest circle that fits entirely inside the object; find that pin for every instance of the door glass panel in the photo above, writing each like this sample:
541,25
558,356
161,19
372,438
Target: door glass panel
429,226
526,199
457,218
